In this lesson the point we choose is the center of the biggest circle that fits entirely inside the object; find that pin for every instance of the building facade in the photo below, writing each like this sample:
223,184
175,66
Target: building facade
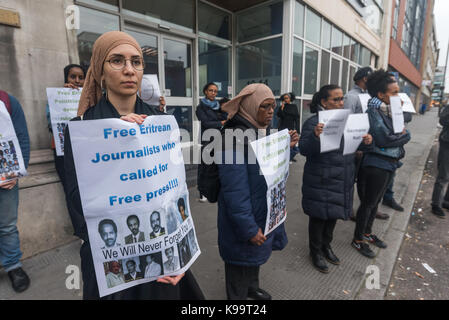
290,45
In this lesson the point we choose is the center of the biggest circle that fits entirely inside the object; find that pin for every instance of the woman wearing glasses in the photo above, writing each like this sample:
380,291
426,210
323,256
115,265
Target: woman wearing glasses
210,115
110,91
328,180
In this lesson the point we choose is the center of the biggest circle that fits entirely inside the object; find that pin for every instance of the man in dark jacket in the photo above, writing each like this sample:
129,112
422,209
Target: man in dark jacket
289,118
10,253
442,181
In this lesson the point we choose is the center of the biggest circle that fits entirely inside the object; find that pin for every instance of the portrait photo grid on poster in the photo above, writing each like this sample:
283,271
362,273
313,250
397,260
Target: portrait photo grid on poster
9,162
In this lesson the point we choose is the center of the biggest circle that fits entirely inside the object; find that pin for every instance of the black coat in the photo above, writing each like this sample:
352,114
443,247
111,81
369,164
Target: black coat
328,179
289,117
187,288
210,119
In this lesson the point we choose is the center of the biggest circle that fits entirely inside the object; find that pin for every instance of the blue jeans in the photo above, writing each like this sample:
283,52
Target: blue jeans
293,152
10,253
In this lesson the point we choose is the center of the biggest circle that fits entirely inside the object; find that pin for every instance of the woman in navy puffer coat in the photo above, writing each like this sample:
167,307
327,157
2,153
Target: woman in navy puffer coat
328,180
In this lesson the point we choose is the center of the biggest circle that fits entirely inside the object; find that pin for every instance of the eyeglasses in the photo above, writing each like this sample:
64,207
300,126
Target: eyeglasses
337,99
212,90
268,105
119,62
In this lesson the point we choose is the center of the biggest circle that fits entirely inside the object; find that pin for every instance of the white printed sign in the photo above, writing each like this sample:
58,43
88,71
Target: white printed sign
356,127
11,159
364,98
273,154
334,124
63,104
150,92
408,104
135,200
397,115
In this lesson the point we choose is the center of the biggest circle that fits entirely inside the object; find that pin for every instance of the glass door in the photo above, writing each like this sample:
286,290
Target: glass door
335,70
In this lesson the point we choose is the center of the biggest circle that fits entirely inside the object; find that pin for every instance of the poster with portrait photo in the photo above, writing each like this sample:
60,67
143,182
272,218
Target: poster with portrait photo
132,270
113,272
11,160
170,260
131,179
278,204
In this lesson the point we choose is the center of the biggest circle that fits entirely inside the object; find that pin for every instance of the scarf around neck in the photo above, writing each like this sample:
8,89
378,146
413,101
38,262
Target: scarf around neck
214,105
376,103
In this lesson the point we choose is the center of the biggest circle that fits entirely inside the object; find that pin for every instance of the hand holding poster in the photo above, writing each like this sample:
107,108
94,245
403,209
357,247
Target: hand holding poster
364,98
334,124
408,104
397,114
356,127
150,92
135,200
11,160
63,104
273,154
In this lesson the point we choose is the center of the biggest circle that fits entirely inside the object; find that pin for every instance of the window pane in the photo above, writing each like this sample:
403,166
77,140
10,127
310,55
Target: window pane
299,19
327,35
214,66
365,57
346,46
260,22
163,12
183,115
306,114
214,21
313,27
344,77
177,65
311,71
335,72
93,24
150,51
352,71
337,39
105,4
260,62
297,67
355,48
325,64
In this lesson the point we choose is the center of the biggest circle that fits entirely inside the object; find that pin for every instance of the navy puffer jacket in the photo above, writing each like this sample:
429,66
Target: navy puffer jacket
242,209
328,179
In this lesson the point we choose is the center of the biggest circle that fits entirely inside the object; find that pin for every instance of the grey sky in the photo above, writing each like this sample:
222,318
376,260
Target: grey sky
442,29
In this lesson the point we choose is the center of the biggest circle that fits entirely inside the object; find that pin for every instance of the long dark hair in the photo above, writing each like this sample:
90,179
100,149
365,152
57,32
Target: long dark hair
323,94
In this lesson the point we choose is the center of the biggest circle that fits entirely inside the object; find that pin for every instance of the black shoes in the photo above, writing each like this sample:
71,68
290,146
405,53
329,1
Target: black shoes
382,216
364,249
446,205
438,212
19,280
319,263
258,294
373,239
392,204
330,256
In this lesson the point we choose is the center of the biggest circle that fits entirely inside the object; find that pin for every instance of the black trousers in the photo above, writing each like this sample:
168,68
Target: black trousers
59,165
321,233
371,185
240,280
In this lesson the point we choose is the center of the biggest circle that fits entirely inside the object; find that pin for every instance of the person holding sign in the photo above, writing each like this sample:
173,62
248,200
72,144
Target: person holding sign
74,76
379,163
289,118
353,101
110,91
328,180
242,199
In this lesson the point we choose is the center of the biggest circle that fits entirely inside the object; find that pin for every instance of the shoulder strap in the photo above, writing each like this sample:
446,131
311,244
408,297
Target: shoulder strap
5,98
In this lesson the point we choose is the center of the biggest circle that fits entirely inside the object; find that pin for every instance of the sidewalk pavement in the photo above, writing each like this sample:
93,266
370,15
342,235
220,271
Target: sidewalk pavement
289,273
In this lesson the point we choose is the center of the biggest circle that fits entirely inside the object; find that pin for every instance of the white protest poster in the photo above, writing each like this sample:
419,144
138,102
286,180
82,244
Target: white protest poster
407,103
356,127
11,159
273,154
150,92
63,104
135,200
397,114
364,98
334,124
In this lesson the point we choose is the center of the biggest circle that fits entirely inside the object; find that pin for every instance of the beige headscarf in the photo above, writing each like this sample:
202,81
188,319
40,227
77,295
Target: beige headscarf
92,85
247,103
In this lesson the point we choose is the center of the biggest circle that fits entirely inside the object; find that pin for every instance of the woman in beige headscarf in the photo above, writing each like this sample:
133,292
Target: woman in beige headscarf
242,201
110,91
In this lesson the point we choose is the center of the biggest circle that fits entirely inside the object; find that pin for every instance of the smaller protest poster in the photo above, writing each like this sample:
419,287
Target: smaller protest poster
364,98
150,92
11,160
407,105
273,154
334,124
63,104
397,114
356,127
